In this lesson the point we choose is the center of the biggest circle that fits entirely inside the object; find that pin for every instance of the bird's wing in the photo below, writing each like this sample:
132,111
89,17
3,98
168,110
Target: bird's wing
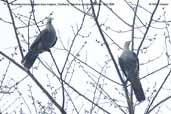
122,65
39,39
129,62
54,41
136,62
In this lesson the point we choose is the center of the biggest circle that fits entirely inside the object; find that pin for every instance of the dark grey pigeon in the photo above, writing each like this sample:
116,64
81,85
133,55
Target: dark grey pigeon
129,64
44,41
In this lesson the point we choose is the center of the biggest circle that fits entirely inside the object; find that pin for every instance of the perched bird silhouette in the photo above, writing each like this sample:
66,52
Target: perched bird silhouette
44,41
129,64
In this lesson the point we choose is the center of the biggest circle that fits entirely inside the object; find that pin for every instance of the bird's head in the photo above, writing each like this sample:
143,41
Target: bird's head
126,45
49,20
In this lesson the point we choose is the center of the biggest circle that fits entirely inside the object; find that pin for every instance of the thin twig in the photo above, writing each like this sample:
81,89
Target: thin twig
116,14
82,95
61,79
72,44
158,104
112,57
148,27
37,83
133,24
148,109
15,29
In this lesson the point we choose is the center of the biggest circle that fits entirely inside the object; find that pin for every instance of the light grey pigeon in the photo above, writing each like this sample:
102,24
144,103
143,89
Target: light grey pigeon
129,64
44,41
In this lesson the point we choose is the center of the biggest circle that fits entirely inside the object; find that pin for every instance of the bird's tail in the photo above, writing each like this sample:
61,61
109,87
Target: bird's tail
29,59
138,90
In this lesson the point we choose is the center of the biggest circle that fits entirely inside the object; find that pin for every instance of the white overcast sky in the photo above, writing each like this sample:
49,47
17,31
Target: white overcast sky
66,17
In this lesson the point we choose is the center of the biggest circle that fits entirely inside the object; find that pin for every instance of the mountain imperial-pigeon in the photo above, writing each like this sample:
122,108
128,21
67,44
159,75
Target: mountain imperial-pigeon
129,64
44,41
